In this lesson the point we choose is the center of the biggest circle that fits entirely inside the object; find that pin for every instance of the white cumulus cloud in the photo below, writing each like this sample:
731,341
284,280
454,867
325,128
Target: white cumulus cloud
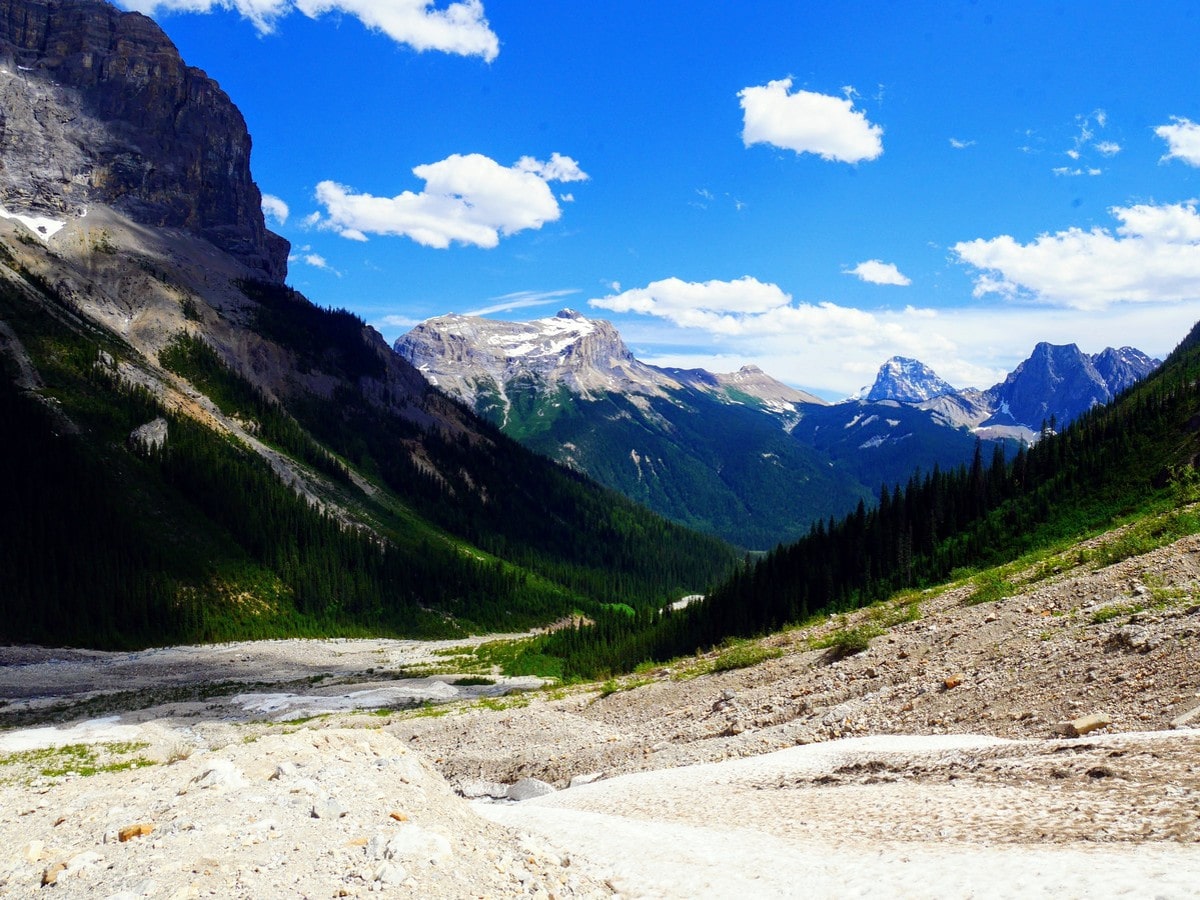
275,209
1183,140
836,349
468,199
460,28
807,122
1152,256
878,272
727,307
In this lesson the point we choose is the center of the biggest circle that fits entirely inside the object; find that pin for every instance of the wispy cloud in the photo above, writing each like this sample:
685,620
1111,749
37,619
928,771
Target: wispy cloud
460,28
307,256
961,145
470,200
390,323
522,300
1152,257
807,122
1085,143
876,271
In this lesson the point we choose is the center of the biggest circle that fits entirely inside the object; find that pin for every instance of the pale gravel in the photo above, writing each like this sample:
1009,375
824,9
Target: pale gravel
868,776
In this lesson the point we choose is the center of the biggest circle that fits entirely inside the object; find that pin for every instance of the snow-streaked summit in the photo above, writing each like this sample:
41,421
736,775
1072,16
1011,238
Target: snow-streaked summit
474,358
906,380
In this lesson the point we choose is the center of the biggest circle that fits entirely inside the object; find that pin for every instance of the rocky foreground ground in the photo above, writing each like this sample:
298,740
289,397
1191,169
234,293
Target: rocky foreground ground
1041,744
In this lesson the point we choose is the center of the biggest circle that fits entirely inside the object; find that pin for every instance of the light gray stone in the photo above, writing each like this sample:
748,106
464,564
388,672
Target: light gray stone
528,788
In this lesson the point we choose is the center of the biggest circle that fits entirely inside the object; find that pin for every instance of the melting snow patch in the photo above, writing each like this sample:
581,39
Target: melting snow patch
43,227
871,443
91,732
284,706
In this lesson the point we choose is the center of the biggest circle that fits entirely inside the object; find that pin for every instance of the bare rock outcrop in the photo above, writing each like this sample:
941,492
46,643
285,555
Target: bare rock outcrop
96,106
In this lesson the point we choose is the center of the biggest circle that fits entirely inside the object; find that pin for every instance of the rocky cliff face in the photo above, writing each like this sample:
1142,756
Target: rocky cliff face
1123,368
469,356
96,106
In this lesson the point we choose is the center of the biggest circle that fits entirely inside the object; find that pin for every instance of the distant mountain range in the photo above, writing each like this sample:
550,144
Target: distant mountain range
711,451
1053,387
740,455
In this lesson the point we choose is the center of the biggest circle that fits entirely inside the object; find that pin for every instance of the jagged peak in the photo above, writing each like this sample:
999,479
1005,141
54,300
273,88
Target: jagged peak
907,380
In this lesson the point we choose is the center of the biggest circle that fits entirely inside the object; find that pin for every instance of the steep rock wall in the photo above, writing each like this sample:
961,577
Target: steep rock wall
120,119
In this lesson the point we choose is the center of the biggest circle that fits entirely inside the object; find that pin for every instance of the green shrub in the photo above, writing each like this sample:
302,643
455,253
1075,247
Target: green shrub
742,656
989,587
848,641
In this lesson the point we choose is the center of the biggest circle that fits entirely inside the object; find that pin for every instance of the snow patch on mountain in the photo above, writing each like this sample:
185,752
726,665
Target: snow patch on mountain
482,361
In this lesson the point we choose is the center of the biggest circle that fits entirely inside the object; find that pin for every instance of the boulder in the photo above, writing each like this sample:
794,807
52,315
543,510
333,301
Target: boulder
1084,725
528,788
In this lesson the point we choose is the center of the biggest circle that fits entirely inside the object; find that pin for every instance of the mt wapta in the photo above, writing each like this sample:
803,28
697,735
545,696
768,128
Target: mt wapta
194,451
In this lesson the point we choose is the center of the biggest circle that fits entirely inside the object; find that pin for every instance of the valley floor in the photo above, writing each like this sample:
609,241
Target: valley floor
930,765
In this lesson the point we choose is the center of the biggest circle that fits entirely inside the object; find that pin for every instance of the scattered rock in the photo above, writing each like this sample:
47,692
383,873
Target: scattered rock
129,832
284,771
410,842
1134,637
1084,725
953,681
329,809
390,873
1188,718
51,872
477,789
219,775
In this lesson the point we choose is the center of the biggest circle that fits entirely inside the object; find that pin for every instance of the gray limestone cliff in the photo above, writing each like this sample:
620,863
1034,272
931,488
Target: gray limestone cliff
96,106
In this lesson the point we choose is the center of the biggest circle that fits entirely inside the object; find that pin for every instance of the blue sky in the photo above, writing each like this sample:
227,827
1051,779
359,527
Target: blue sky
809,187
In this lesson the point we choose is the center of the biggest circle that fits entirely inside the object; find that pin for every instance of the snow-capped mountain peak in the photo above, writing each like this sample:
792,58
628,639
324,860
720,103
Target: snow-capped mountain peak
474,358
907,381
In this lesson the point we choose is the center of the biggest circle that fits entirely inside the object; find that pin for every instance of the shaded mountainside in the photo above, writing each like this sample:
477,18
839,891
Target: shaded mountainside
1059,383
1049,390
309,480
